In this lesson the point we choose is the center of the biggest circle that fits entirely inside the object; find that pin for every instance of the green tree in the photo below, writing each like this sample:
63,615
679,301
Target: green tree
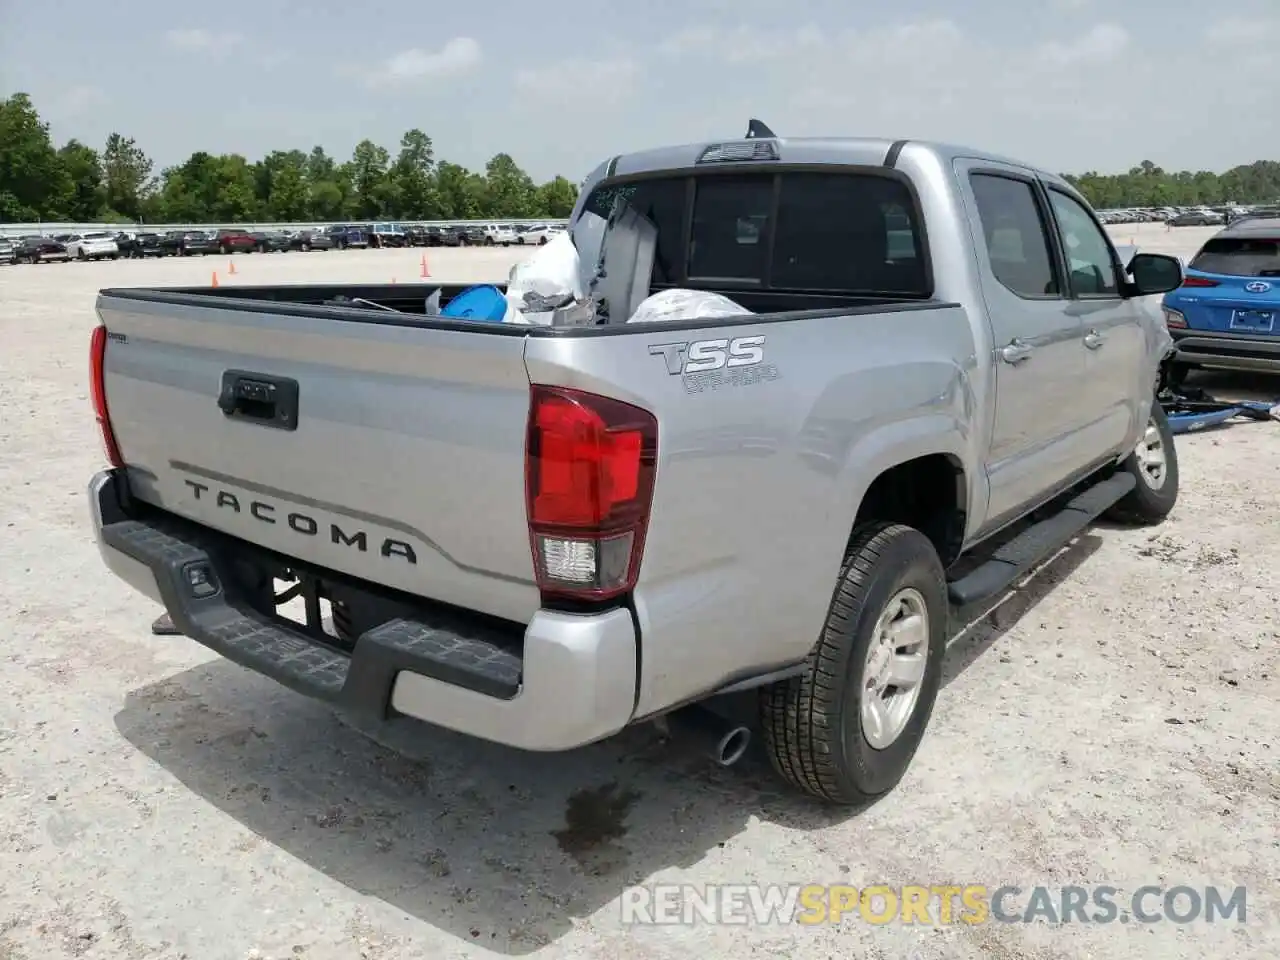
33,182
555,199
371,188
83,168
280,185
126,175
509,190
462,193
325,195
414,191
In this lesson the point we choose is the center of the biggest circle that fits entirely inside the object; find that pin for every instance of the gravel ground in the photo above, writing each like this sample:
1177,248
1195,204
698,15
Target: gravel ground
1115,723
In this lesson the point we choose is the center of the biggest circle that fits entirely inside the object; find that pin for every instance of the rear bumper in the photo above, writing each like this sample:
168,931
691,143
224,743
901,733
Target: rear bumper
569,681
1227,351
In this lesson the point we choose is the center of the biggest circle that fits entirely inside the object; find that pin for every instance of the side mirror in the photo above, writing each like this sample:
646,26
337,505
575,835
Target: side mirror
1154,273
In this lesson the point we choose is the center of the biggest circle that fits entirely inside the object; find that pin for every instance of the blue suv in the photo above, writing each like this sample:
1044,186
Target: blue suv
344,235
1226,314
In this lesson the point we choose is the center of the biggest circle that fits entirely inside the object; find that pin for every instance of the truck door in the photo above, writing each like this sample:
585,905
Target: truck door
1035,445
1114,337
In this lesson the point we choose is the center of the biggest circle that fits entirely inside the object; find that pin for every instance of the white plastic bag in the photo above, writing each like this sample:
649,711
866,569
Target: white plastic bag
552,275
685,305
552,271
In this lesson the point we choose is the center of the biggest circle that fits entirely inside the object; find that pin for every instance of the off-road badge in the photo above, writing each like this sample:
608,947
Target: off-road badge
713,364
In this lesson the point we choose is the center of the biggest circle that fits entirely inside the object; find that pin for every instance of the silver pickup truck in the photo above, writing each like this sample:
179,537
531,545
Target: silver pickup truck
941,375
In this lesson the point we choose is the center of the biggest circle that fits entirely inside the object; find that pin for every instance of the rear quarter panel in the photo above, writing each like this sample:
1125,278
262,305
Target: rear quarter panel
758,482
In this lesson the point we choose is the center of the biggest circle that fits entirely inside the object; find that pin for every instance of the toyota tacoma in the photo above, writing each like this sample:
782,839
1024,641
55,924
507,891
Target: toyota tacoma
941,374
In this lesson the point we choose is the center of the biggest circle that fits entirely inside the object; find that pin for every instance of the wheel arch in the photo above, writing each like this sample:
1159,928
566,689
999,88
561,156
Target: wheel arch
915,473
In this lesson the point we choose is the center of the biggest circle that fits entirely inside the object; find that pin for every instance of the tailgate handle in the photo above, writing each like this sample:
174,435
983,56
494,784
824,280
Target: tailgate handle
258,398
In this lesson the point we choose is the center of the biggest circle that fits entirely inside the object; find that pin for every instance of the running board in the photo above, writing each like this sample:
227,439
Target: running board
1037,543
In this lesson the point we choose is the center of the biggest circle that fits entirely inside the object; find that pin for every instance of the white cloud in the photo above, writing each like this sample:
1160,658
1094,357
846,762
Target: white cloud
1104,42
573,83
1067,99
1242,32
742,44
76,100
458,56
195,39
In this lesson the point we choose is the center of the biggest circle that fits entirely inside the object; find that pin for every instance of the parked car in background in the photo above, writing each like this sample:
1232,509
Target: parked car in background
270,241
186,243
445,237
138,245
98,245
234,241
38,250
6,250
344,236
538,235
388,235
499,234
306,240
417,236
471,235
1195,218
1226,314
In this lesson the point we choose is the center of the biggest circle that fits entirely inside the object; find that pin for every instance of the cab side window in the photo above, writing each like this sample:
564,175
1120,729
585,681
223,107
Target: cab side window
1090,261
1017,242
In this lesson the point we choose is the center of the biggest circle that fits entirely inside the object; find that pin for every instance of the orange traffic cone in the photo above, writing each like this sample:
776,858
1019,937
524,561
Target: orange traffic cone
425,271
231,267
214,282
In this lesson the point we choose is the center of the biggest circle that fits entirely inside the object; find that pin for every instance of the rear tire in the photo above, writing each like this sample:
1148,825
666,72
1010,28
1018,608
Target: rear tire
821,729
1154,464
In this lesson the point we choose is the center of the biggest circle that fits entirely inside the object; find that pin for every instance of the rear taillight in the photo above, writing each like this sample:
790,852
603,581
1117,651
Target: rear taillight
1198,282
98,393
589,471
1174,319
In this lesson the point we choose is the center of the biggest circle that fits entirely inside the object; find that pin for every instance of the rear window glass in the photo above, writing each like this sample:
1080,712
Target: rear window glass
847,233
661,201
1240,257
829,232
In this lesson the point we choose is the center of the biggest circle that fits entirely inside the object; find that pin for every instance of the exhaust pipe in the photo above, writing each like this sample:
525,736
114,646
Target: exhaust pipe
725,741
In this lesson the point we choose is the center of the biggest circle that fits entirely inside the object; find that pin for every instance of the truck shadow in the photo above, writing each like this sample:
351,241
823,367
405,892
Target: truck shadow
491,845
494,846
969,641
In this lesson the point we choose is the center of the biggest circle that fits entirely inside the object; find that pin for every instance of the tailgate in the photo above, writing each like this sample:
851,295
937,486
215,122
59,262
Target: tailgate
404,465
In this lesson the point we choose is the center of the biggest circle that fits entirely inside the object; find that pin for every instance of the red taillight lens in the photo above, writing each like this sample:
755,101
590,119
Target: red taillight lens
98,393
1198,282
589,470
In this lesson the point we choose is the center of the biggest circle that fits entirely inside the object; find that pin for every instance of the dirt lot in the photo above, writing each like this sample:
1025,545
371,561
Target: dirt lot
1114,723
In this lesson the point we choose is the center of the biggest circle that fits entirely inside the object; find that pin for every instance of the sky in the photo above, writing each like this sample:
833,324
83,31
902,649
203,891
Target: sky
1069,85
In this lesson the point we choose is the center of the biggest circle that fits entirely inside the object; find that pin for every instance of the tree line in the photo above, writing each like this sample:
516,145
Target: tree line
1147,185
79,183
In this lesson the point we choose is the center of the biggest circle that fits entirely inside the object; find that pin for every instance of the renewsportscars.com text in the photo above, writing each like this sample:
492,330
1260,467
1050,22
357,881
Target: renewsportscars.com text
932,904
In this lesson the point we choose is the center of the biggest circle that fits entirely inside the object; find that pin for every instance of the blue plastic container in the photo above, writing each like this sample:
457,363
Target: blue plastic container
483,302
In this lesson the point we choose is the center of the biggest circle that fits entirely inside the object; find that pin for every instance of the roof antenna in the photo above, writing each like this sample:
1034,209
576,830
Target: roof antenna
756,130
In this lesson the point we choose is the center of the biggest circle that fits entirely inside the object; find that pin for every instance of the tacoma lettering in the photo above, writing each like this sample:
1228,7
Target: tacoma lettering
301,523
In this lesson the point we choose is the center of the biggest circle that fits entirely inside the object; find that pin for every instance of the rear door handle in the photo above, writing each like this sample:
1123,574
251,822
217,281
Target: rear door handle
1016,351
1093,340
259,398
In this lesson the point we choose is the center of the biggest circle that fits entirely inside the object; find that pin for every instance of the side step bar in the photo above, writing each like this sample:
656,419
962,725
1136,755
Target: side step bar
1017,558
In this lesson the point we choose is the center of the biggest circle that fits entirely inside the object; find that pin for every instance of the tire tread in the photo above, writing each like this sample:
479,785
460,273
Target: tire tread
799,716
